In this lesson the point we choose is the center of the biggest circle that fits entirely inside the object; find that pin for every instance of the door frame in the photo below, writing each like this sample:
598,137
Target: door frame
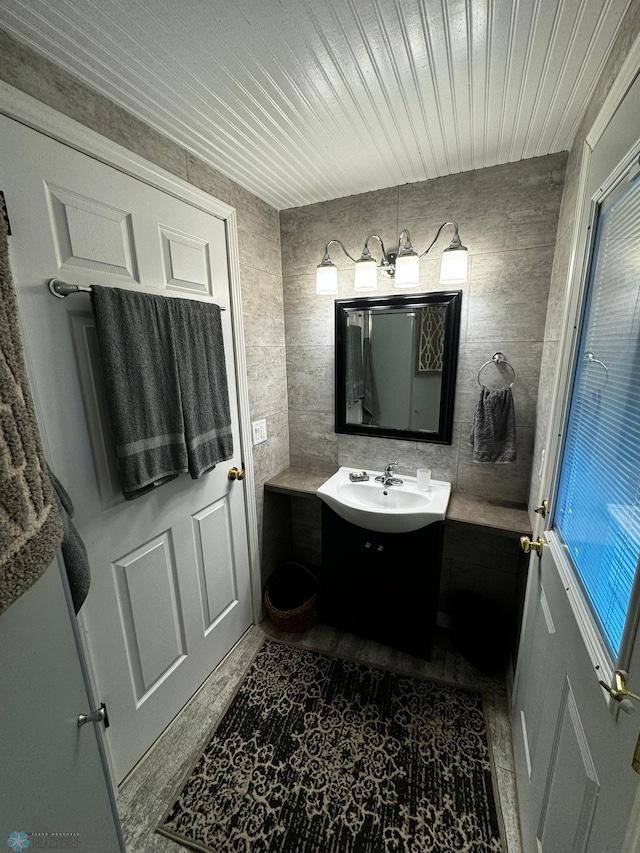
575,285
28,111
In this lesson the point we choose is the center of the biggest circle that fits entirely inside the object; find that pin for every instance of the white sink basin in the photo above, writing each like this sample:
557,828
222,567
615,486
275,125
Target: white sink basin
386,509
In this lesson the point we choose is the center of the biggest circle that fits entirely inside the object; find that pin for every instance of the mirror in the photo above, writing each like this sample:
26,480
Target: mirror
396,362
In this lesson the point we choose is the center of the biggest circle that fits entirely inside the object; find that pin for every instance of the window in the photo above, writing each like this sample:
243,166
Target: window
598,501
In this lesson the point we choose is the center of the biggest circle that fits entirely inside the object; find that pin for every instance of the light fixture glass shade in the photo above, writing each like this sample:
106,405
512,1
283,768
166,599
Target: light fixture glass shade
366,274
453,269
326,279
407,270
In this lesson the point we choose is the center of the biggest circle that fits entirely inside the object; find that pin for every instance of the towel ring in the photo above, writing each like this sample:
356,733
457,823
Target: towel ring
498,358
590,358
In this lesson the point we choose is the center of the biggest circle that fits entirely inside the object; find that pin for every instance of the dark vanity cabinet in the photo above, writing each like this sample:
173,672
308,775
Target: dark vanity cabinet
383,586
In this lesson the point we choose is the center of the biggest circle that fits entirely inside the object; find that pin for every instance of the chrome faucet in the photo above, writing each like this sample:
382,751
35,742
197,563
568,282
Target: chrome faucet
387,479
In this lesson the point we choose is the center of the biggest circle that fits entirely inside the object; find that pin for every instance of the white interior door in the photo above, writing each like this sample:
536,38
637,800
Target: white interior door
573,747
52,779
170,591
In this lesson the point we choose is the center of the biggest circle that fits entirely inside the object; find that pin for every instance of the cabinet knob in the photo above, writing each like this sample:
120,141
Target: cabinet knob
380,547
368,545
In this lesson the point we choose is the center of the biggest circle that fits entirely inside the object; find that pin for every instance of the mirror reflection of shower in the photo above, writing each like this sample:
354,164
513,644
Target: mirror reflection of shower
393,380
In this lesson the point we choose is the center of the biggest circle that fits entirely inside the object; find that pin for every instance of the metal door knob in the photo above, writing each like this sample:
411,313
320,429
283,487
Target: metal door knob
236,473
98,716
620,692
527,545
543,509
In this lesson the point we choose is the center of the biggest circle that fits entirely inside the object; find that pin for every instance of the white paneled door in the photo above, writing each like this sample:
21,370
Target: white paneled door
573,745
170,591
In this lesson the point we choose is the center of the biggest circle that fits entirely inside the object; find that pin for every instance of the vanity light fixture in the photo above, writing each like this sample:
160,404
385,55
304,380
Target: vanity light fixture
403,265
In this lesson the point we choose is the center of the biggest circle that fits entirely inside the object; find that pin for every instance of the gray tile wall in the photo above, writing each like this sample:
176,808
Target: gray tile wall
508,218
627,34
260,263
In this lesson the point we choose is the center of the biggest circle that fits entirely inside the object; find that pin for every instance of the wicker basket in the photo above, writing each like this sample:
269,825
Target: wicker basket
291,598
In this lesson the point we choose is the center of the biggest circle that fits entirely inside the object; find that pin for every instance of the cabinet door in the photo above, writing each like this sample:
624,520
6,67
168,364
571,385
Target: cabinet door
382,585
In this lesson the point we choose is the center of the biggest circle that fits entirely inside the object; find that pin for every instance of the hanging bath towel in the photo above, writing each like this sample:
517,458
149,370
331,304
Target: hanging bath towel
493,435
202,372
140,373
165,379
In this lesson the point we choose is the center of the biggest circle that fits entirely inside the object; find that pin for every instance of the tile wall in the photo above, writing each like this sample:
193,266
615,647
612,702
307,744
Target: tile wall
260,263
508,218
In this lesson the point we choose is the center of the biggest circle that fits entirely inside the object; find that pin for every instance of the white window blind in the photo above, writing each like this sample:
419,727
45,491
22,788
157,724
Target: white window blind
597,507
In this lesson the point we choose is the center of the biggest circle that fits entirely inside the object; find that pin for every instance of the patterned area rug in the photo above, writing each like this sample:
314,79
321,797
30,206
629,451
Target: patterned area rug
320,755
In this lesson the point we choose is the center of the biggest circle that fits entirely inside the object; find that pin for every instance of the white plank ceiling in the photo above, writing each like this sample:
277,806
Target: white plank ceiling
305,100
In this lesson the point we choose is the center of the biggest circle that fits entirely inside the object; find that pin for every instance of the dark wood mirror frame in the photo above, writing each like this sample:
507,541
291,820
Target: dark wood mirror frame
451,300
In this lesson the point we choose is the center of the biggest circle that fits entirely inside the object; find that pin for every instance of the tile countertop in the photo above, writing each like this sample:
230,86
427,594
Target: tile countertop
503,519
298,482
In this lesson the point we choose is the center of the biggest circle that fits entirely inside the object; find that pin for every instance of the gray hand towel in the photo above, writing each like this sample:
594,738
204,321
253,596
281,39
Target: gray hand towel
73,548
493,435
140,372
199,348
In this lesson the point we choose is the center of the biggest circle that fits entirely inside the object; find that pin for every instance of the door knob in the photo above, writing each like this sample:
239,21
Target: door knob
620,692
98,716
236,473
543,509
527,545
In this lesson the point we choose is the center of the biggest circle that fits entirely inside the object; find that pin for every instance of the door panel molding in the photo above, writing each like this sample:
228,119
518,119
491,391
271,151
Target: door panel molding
542,648
79,246
212,536
187,262
149,573
33,113
568,819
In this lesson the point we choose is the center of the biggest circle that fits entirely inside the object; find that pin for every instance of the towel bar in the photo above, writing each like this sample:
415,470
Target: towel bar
498,358
61,289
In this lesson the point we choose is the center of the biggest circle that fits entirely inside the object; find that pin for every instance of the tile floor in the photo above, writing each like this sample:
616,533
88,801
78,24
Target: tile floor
148,790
